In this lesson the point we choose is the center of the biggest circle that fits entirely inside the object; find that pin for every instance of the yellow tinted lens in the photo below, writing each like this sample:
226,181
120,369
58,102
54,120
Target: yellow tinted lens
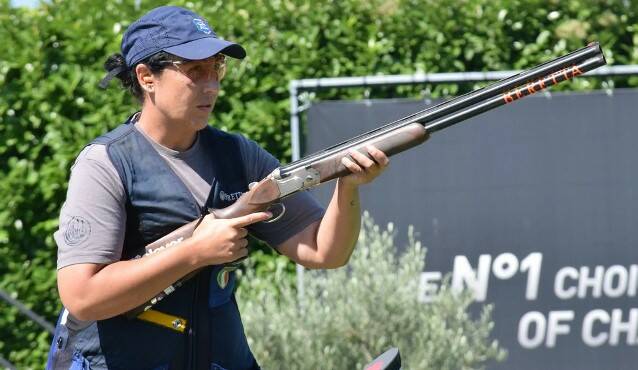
213,68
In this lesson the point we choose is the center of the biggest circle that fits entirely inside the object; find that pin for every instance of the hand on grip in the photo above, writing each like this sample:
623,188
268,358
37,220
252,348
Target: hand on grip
364,168
221,241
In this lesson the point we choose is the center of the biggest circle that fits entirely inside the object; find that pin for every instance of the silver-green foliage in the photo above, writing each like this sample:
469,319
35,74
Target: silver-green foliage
349,315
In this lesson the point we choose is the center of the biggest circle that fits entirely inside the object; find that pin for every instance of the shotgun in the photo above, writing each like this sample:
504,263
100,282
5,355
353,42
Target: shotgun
391,138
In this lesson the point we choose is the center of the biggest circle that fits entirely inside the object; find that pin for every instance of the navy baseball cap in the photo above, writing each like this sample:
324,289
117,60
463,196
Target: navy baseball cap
177,31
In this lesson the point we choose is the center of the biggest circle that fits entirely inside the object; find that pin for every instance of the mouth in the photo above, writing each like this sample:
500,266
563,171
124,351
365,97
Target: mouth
205,106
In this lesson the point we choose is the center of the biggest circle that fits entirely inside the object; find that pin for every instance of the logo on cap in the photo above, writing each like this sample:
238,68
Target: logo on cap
202,26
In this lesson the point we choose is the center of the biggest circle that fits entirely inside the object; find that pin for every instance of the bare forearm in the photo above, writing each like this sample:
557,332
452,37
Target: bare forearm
121,286
339,229
330,242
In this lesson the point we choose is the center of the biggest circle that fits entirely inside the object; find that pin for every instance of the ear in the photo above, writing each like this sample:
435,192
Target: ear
145,77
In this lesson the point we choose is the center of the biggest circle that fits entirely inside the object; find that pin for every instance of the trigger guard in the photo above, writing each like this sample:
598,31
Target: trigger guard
280,215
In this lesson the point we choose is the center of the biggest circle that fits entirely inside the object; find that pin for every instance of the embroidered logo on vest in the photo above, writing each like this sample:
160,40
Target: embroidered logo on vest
228,197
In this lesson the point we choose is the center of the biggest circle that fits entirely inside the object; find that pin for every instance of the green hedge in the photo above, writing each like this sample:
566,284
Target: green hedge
50,105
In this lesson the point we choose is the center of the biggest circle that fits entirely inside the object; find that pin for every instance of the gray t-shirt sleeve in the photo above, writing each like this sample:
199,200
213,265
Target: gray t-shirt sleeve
301,209
93,217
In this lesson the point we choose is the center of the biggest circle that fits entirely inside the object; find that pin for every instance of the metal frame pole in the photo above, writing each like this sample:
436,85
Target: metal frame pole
25,310
295,139
6,364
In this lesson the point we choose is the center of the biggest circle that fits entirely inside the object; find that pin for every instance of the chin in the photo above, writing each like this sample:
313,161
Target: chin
199,124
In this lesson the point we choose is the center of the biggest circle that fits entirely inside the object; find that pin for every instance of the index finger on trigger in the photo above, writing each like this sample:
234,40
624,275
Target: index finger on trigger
252,218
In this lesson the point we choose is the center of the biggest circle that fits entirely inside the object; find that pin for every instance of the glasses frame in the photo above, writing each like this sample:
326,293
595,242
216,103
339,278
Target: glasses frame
219,66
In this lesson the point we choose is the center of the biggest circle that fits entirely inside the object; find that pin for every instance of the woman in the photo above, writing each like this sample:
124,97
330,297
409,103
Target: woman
161,169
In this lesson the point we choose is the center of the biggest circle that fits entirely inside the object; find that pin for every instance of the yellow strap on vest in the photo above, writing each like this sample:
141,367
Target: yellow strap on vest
168,321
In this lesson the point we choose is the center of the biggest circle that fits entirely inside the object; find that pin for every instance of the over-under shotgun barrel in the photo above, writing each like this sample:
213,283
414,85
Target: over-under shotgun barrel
455,110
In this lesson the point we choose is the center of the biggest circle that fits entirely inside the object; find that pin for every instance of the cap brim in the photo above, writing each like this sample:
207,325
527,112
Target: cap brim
207,47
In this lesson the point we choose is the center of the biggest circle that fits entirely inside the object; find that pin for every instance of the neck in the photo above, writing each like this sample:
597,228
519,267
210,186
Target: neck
174,135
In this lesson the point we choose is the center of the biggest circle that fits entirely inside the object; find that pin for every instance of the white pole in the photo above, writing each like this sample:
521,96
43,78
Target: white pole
295,139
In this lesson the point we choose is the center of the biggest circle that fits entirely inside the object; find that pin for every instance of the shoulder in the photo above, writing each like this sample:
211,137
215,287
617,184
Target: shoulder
93,216
93,167
212,133
93,152
117,133
249,147
256,160
93,155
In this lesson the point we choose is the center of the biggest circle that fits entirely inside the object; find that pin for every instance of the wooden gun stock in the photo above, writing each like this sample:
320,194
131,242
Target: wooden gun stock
391,143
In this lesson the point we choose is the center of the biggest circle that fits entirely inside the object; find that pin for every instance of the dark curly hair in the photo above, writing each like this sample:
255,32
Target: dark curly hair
156,63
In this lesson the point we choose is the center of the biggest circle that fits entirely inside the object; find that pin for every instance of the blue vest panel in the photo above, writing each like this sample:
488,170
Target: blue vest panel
158,202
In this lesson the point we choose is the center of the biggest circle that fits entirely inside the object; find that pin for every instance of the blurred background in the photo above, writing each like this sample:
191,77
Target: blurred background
51,106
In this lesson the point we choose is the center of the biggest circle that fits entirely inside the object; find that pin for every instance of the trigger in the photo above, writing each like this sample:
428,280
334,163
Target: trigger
277,210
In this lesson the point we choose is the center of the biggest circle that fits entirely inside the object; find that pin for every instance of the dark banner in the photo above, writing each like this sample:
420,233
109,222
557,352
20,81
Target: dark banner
533,206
